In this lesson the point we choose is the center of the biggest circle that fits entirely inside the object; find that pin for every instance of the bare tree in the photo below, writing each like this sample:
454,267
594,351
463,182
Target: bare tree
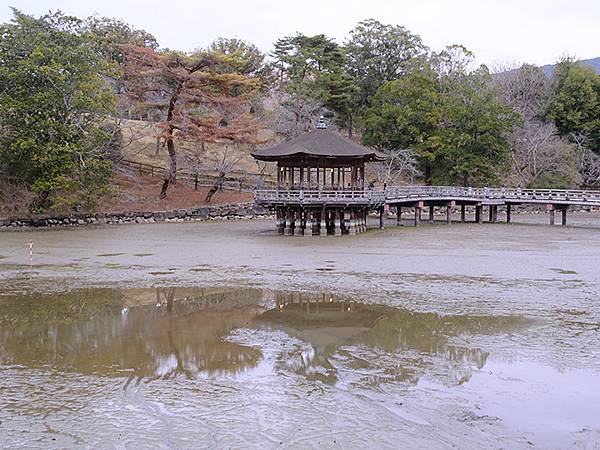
223,165
399,166
538,154
296,114
537,150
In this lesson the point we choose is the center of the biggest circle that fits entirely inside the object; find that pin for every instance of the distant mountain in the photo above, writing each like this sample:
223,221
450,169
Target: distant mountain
595,63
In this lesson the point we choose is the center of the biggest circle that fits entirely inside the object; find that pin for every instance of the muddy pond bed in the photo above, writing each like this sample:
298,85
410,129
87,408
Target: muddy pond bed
226,336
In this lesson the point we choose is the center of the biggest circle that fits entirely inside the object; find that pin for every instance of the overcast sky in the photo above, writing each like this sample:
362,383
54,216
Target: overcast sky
497,31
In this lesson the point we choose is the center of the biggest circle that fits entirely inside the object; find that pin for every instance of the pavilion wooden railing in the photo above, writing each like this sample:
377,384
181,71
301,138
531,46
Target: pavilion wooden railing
398,194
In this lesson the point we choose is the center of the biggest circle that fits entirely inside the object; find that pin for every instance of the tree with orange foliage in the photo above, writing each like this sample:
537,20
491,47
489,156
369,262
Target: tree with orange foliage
200,96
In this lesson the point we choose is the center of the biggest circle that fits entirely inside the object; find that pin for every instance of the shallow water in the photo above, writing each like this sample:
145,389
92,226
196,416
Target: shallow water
221,367
468,336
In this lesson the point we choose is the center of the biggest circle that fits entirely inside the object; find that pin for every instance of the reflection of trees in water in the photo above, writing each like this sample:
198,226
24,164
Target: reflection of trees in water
382,342
168,339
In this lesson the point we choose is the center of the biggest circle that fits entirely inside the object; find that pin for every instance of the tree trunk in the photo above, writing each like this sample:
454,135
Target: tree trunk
171,174
350,125
39,201
214,188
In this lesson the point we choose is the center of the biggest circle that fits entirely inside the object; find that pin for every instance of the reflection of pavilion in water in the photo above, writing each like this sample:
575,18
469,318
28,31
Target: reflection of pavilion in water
165,333
341,330
164,337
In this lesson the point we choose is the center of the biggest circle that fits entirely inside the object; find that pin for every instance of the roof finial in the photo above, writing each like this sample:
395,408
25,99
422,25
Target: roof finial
321,124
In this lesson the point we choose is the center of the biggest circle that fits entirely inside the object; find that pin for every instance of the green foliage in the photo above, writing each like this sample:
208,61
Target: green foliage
377,53
575,104
315,66
54,101
453,122
110,35
243,58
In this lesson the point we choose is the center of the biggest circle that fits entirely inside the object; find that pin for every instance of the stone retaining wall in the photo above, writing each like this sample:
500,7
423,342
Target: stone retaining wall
236,211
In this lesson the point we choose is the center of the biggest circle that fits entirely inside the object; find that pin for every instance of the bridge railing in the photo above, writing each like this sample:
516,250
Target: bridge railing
516,194
394,193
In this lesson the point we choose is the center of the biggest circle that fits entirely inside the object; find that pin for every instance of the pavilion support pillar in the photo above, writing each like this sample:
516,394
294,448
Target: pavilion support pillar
362,217
352,222
431,211
490,213
308,221
289,222
323,222
508,218
478,213
280,214
381,217
495,213
448,214
564,215
550,209
398,215
299,222
463,212
337,222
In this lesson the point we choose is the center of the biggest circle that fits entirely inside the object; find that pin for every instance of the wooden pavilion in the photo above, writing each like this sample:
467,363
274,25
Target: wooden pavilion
320,184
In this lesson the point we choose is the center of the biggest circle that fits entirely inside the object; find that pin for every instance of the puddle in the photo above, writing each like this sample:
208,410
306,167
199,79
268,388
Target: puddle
106,255
293,359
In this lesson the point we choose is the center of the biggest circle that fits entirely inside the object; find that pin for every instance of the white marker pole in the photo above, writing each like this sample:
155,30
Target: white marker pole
30,250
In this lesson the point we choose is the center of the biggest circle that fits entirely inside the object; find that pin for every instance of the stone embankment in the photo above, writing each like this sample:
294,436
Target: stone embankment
237,211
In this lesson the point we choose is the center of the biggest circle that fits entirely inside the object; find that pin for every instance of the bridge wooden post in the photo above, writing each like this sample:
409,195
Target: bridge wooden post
550,209
508,213
381,217
431,211
564,215
490,213
418,209
398,215
323,222
478,213
463,212
495,213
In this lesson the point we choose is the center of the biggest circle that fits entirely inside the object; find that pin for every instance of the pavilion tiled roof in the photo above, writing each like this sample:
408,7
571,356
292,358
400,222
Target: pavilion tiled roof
318,143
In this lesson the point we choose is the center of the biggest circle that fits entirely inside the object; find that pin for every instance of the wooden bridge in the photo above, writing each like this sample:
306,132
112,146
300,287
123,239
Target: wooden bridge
416,198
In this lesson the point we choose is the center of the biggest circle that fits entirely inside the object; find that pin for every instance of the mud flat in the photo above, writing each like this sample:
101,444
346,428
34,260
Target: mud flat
225,335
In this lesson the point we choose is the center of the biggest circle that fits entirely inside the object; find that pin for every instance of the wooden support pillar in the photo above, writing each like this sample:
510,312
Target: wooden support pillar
490,213
478,213
564,215
550,209
417,216
337,222
308,223
431,207
398,215
508,218
299,222
352,222
280,214
289,222
381,217
323,222
493,213
463,212
449,214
